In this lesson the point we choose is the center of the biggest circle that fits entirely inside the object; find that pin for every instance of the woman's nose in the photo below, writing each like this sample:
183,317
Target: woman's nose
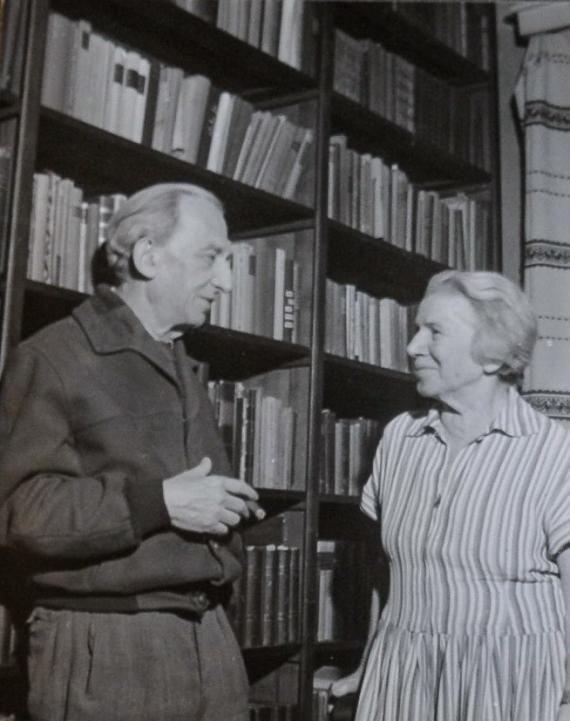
414,346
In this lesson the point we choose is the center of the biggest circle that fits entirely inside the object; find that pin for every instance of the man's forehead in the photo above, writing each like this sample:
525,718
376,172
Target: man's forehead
204,220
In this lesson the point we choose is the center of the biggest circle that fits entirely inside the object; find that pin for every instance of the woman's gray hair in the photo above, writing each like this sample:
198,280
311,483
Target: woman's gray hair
151,212
508,329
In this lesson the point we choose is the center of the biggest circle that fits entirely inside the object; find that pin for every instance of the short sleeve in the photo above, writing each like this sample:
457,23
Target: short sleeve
370,500
557,523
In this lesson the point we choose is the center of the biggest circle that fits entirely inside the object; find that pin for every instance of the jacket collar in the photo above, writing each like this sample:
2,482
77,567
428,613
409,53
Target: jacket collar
112,327
516,419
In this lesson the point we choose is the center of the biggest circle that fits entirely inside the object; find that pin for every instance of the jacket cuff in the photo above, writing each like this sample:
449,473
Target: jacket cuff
148,509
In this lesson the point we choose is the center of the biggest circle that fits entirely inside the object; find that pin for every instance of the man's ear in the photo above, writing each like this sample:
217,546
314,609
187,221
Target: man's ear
491,368
144,257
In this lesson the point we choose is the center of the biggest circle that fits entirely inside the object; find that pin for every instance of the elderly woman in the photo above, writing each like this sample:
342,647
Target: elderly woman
473,497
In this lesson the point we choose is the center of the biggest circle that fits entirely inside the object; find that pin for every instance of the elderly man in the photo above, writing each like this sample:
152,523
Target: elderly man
115,488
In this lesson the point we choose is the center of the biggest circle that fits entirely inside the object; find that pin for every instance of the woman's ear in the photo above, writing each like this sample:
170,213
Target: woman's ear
144,257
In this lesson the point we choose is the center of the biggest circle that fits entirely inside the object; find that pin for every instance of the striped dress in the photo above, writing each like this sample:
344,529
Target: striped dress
473,626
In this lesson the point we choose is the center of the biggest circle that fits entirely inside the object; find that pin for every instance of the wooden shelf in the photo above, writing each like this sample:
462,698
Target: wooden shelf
331,499
250,354
101,163
353,389
178,38
376,266
423,162
286,649
346,521
338,646
281,497
379,22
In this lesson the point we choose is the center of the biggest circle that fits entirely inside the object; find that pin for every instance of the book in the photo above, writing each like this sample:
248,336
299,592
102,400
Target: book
220,133
270,27
239,123
115,89
56,65
211,109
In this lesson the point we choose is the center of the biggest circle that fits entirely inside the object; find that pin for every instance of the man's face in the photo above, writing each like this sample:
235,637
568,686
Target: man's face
193,265
440,352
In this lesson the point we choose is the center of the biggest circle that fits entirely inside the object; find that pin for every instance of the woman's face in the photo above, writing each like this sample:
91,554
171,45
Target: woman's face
440,352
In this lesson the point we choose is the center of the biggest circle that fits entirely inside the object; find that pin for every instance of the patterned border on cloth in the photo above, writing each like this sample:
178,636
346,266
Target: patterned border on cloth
547,253
551,403
555,117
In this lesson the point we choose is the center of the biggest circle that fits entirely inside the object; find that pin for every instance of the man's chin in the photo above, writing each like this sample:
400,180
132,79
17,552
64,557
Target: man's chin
424,389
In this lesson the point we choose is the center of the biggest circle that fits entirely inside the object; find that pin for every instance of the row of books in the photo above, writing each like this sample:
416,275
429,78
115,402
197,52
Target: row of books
66,228
278,27
375,77
7,638
97,81
452,118
378,199
261,422
265,289
346,453
222,132
462,26
266,608
345,587
362,327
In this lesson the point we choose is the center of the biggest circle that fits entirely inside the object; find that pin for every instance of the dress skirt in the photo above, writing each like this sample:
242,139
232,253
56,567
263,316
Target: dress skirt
413,676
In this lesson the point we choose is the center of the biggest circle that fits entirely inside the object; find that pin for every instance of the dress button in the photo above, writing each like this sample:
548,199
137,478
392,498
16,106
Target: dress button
215,545
437,502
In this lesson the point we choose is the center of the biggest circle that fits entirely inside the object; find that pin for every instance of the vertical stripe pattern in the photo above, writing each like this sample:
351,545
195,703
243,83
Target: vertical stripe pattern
473,626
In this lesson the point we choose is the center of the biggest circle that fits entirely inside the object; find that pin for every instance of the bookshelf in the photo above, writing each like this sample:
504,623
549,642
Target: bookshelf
458,186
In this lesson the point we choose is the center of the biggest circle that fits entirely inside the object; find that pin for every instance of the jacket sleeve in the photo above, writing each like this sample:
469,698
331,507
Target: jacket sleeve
47,505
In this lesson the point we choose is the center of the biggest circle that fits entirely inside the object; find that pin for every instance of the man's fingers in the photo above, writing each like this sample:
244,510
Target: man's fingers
256,510
240,488
202,469
219,529
230,518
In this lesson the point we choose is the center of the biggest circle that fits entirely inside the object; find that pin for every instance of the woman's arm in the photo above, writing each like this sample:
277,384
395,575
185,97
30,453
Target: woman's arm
350,683
563,561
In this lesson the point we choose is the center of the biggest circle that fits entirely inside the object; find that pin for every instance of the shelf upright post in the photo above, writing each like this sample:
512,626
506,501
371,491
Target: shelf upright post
495,168
324,68
23,173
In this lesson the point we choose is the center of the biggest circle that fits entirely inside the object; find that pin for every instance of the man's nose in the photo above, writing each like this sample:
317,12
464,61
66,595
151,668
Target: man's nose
222,278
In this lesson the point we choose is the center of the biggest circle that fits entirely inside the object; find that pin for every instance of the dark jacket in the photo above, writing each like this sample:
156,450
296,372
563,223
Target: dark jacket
94,415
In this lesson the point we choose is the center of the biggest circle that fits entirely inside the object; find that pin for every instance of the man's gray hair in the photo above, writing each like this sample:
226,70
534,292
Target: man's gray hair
152,212
508,329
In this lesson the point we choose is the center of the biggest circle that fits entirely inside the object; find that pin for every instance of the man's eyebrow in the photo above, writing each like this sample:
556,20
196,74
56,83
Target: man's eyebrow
218,247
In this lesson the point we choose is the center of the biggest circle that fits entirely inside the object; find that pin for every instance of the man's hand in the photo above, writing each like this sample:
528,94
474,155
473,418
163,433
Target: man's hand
202,503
